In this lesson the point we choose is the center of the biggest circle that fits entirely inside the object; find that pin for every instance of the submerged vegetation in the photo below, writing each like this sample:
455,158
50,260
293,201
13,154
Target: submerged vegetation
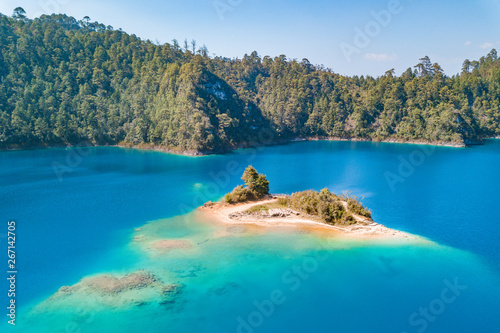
69,82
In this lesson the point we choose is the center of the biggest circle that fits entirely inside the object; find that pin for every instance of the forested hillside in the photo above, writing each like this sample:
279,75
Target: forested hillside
68,82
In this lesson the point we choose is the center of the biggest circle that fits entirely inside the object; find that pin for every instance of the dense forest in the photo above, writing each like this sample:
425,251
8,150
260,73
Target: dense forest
69,82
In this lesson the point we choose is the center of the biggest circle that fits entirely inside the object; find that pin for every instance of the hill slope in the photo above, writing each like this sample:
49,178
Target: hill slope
68,82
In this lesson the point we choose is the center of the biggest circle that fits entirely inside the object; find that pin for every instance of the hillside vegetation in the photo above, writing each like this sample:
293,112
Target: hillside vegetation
69,82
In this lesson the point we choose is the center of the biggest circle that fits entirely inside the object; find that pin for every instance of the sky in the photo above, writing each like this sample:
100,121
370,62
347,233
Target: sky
357,37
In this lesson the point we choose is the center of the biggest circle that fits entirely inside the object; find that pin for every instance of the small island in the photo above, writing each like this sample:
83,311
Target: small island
323,211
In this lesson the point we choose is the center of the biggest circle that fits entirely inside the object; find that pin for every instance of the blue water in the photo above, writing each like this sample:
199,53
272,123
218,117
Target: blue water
76,211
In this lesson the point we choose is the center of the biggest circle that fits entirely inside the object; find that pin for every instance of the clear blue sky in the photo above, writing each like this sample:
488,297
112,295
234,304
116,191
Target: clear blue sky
447,31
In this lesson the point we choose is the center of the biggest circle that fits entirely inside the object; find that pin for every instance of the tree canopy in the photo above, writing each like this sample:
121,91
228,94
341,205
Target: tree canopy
19,13
257,186
255,181
68,82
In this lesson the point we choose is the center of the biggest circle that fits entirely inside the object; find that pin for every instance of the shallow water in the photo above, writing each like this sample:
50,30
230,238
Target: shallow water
82,223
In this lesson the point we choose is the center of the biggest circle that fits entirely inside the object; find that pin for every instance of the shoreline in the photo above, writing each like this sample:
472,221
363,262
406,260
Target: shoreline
192,153
398,141
365,229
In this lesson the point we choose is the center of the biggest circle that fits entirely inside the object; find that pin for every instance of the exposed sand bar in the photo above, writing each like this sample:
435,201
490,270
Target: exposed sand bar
235,214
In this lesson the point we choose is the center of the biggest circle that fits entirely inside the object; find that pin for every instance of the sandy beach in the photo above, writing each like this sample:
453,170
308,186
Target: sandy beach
236,214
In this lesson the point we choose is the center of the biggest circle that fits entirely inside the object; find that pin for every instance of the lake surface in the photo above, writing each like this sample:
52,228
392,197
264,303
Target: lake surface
77,209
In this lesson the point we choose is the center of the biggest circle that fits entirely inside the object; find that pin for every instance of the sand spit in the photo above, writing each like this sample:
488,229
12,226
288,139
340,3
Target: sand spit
236,214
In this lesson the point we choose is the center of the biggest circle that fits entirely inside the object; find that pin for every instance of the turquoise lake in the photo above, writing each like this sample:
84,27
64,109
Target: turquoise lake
77,212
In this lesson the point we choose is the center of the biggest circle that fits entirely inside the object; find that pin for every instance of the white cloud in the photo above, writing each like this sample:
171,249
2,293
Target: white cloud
467,43
486,45
380,57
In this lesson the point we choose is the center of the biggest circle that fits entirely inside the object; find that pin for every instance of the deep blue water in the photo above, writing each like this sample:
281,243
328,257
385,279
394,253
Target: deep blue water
79,222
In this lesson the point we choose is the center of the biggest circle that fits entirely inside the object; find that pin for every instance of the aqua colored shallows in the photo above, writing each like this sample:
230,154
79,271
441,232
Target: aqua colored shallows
82,223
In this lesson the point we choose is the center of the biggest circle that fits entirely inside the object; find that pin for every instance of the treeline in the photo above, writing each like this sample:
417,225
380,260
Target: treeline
68,82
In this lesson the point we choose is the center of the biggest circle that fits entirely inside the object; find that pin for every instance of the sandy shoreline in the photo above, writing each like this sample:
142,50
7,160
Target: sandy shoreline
366,229
192,153
175,151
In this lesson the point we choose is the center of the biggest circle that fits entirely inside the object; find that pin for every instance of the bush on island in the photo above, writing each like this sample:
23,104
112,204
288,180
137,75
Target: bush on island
257,186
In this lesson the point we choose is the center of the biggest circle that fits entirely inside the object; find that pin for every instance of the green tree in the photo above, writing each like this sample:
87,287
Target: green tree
257,186
261,185
256,182
250,176
19,13
64,81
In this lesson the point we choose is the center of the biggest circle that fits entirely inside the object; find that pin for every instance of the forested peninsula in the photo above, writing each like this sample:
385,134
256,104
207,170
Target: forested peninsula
66,82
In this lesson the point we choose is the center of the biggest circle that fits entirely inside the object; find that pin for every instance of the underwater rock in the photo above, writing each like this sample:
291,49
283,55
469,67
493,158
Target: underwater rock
139,238
113,285
226,289
170,293
139,288
165,245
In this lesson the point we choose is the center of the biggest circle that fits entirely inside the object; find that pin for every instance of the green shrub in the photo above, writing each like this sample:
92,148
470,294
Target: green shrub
326,205
283,201
257,187
255,181
241,194
258,208
357,208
